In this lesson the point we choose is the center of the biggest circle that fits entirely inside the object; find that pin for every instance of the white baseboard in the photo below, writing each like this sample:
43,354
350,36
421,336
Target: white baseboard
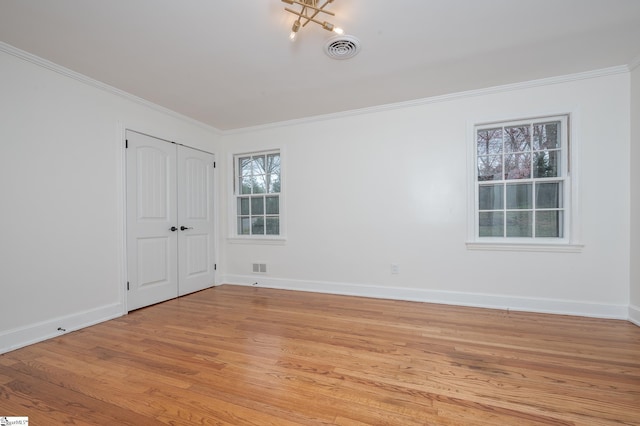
527,304
34,333
634,314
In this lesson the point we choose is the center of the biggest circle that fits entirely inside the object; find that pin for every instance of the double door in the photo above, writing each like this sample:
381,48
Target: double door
170,220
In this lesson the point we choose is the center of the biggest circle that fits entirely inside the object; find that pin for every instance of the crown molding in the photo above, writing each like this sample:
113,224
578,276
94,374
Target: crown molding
44,63
621,69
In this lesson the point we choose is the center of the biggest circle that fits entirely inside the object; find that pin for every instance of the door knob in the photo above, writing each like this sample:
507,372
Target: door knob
184,228
173,229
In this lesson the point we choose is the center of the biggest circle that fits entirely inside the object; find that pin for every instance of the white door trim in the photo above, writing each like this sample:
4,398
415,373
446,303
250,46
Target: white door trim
121,194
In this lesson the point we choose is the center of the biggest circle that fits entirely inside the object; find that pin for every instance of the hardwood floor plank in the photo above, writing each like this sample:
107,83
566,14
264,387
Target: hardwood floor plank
254,356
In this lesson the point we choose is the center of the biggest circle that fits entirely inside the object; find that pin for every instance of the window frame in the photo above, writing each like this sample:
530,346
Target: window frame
235,196
567,172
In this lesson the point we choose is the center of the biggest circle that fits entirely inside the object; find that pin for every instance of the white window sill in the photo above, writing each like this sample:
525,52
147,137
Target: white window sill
276,241
535,247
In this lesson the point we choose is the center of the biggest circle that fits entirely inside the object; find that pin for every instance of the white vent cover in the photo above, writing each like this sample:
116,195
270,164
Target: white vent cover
342,47
259,268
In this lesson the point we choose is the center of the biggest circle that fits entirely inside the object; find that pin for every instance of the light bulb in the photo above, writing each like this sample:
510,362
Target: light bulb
294,30
338,30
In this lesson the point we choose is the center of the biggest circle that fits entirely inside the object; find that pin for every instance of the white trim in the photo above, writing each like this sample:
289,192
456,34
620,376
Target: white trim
36,60
478,300
258,240
217,212
121,209
122,198
14,51
34,333
553,248
621,69
232,197
634,314
573,243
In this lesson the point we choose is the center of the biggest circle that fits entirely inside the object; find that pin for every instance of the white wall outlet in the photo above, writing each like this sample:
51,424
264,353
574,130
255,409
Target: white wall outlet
395,268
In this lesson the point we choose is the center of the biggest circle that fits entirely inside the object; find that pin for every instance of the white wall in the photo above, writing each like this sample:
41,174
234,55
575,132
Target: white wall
362,191
634,308
390,186
61,214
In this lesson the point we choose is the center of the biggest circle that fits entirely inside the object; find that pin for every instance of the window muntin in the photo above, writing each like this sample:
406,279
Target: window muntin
521,180
257,191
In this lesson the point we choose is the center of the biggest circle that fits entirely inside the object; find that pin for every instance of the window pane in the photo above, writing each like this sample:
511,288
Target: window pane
517,139
257,225
490,168
273,164
490,197
549,224
549,195
545,164
257,205
519,196
243,206
489,141
519,224
491,224
546,135
273,205
245,185
273,226
517,166
273,183
259,185
258,165
243,226
244,166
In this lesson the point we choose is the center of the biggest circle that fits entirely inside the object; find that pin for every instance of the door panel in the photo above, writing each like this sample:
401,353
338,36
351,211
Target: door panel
195,210
152,267
197,254
153,261
152,183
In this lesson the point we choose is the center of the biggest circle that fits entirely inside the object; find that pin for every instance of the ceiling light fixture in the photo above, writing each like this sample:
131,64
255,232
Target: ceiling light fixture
308,13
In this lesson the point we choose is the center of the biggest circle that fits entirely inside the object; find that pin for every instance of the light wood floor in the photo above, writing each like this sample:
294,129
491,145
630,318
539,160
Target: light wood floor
253,356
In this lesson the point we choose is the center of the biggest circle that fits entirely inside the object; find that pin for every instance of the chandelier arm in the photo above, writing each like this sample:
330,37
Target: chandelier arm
317,9
304,16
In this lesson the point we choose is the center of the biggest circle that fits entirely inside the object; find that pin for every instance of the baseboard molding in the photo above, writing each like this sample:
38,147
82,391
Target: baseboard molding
634,314
525,304
34,333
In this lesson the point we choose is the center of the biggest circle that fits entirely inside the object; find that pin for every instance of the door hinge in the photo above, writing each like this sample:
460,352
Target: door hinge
126,143
215,266
214,164
127,285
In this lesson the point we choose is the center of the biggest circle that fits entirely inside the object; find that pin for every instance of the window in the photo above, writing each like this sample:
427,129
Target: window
521,181
257,193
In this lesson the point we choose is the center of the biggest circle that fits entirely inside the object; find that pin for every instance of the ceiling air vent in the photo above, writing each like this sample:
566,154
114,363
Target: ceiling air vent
342,47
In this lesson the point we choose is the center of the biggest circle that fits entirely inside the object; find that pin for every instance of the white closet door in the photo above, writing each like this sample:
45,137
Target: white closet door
196,220
152,248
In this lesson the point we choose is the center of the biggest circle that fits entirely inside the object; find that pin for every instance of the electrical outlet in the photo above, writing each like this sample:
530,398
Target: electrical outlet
395,268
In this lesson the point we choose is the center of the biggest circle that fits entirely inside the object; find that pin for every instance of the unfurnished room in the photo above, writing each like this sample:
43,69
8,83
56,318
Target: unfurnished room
320,212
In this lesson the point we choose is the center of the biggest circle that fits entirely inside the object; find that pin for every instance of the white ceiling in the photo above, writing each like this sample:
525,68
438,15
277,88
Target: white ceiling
230,64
